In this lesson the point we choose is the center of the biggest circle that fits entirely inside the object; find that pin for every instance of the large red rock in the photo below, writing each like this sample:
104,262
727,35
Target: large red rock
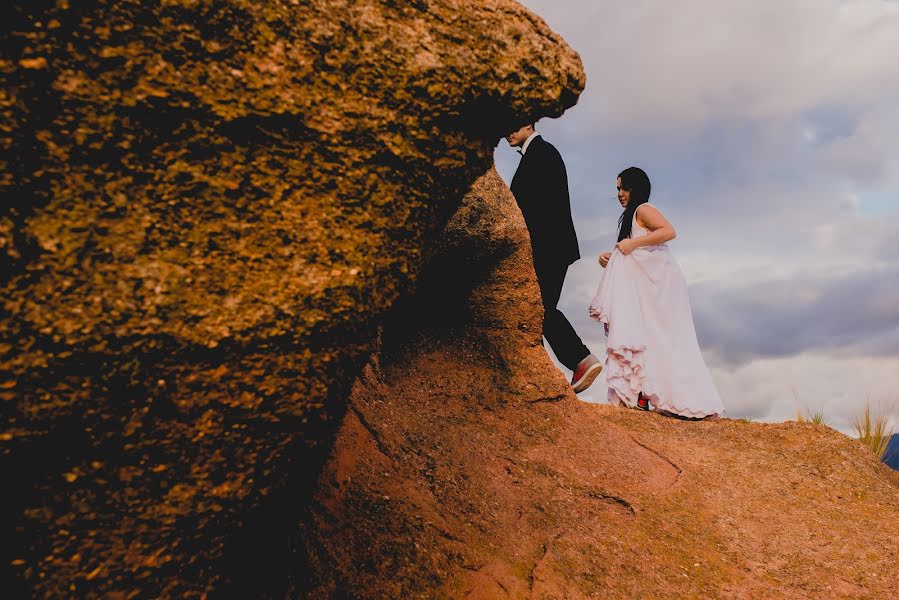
465,468
207,206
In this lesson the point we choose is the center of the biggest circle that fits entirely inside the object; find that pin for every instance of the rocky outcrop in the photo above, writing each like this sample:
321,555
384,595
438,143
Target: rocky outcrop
215,213
465,468
207,206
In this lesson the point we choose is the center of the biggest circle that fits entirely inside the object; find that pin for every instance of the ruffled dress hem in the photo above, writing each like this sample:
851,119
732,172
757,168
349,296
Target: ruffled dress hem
626,380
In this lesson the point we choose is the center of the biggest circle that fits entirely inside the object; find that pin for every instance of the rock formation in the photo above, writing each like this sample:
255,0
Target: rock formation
217,212
465,468
207,205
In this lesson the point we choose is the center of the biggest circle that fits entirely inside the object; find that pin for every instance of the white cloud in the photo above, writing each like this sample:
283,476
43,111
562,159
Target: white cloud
768,129
695,61
867,154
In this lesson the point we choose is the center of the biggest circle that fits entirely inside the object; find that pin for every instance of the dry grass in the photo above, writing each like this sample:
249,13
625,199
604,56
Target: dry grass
873,430
816,417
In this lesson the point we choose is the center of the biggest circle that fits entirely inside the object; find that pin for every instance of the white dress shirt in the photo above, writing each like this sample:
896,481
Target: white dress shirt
524,146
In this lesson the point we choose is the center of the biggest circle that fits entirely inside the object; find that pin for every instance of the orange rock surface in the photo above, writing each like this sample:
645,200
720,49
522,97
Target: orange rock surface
465,468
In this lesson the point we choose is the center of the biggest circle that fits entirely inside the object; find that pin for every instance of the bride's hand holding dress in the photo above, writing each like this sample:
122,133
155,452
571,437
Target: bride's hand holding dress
604,259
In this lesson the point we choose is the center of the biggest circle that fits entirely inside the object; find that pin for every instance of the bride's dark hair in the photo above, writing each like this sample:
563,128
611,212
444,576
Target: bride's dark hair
636,181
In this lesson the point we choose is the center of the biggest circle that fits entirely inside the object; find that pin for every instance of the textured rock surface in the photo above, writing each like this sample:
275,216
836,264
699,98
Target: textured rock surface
206,206
466,469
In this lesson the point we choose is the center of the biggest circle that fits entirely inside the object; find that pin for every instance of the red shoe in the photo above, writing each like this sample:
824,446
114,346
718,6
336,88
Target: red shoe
586,372
642,402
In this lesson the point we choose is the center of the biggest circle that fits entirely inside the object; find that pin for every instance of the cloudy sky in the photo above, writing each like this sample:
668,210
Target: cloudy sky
770,131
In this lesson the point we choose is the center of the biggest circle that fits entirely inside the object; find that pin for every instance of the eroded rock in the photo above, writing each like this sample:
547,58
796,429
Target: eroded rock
465,467
207,205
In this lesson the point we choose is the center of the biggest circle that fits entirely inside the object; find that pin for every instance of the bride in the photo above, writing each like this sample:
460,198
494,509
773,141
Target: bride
652,356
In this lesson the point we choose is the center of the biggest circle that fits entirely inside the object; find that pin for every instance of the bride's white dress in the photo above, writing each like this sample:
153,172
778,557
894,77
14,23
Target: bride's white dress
642,299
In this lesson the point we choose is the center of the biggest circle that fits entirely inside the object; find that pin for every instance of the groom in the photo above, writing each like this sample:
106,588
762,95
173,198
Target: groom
540,187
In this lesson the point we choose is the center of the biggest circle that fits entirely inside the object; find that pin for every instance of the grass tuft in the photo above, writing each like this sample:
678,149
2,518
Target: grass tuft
816,417
873,430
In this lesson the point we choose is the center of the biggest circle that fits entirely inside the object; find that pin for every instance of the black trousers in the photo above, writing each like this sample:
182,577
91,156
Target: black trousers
562,338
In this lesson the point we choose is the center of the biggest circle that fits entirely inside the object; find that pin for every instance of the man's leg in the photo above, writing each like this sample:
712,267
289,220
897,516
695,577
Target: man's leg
561,336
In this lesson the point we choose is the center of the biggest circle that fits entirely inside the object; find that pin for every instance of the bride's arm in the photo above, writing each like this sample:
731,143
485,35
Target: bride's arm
660,230
649,217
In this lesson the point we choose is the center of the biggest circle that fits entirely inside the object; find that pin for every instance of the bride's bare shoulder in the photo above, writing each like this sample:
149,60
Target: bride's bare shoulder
650,217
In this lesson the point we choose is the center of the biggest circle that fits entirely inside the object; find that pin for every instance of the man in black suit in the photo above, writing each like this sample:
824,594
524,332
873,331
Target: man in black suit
540,187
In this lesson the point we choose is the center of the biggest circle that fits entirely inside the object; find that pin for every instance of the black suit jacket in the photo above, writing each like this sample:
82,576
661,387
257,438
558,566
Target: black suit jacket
540,187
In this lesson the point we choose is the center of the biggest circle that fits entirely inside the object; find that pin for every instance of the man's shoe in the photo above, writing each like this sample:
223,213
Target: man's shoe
586,372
